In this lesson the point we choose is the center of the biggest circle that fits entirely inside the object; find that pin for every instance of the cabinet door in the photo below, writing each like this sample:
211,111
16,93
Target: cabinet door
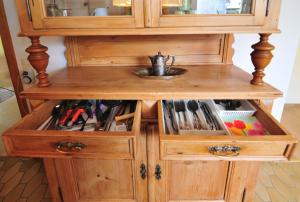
206,13
100,180
105,180
183,180
81,14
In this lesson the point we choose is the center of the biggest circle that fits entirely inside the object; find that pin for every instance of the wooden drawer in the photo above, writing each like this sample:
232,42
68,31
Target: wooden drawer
23,139
276,146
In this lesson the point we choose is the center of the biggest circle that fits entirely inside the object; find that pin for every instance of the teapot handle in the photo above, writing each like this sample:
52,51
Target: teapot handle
172,64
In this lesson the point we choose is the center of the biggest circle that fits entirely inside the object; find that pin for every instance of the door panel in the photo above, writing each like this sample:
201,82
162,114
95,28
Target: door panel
203,13
96,180
83,14
196,180
104,179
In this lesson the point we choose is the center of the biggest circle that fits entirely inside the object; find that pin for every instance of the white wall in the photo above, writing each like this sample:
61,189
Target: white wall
278,72
293,95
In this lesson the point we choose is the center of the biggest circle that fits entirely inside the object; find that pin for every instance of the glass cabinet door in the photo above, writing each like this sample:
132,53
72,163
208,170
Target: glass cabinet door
184,13
86,13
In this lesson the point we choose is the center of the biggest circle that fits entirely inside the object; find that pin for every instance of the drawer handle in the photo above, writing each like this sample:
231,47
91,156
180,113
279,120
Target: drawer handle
225,150
69,146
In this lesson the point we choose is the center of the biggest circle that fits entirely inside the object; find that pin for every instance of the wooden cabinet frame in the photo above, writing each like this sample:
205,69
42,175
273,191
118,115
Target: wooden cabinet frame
41,21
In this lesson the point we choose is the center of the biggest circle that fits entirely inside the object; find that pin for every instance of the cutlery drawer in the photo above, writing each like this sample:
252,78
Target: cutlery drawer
25,140
277,145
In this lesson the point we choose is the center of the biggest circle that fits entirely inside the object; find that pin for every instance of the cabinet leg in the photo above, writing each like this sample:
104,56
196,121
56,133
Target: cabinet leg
261,58
39,60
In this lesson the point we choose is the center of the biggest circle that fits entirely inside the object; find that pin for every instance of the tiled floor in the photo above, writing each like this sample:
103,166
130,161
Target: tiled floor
23,180
280,182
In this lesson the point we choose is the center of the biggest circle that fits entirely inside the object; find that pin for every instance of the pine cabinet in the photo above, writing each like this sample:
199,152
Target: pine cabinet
106,41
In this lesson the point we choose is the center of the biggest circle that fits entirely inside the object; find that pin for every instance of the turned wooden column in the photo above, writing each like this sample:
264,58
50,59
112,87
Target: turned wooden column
261,58
39,60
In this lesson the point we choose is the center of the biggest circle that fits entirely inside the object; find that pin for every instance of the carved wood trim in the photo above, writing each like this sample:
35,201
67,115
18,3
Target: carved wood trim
39,60
261,58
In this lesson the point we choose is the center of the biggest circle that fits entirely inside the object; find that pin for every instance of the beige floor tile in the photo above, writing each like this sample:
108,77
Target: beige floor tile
11,184
262,192
31,172
275,196
32,185
267,169
38,194
287,167
265,179
286,191
11,172
297,182
15,194
257,199
283,175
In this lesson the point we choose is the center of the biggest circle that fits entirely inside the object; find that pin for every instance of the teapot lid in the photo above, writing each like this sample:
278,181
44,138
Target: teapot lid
159,55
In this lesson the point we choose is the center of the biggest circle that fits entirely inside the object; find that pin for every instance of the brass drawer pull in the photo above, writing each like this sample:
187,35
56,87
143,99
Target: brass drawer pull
69,146
225,150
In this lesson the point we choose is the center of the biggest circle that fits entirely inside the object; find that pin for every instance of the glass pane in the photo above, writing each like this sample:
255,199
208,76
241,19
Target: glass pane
58,8
201,7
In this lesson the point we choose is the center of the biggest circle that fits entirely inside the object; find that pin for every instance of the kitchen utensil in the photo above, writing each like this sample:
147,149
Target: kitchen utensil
159,64
180,109
193,107
173,73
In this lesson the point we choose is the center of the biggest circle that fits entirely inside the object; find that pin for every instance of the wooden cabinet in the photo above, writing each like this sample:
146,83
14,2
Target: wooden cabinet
146,164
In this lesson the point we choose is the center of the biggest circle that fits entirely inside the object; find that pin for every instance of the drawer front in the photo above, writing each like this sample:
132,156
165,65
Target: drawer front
25,140
276,146
64,146
197,150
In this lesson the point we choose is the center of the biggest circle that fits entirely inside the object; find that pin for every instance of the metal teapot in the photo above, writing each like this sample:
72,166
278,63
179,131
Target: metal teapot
159,64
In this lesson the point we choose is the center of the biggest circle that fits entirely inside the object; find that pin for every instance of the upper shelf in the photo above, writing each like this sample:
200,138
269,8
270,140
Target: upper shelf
144,17
200,82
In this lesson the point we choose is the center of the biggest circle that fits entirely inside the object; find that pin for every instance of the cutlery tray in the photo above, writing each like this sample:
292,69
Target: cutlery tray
173,121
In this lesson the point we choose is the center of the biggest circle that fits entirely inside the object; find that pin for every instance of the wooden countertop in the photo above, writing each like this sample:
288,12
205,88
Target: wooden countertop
200,82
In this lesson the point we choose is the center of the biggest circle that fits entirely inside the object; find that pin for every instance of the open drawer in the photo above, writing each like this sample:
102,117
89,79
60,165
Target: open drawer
23,139
277,145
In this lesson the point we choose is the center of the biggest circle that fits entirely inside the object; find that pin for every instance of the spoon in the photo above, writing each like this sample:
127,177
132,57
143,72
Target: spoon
193,107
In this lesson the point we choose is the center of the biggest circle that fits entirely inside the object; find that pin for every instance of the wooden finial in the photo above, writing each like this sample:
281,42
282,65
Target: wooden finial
261,58
39,60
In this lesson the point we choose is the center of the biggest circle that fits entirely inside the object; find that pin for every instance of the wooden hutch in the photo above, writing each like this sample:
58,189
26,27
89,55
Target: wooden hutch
146,164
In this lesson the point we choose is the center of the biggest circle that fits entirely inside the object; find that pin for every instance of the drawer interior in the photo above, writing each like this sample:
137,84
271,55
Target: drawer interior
127,121
250,118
